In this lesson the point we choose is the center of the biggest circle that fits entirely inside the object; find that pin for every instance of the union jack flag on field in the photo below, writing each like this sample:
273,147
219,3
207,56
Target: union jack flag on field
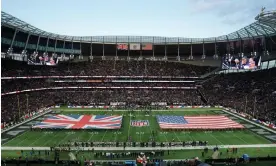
197,122
81,122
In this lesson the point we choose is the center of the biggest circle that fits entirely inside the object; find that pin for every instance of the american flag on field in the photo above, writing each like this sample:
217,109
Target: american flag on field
196,122
81,122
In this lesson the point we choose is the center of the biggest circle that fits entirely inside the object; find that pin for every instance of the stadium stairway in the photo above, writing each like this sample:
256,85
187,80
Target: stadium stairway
202,96
207,75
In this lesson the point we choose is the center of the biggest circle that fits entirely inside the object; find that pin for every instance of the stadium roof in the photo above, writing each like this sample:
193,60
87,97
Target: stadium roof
265,25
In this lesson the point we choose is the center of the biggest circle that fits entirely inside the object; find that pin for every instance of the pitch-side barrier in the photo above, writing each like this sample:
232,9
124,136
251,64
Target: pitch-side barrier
144,148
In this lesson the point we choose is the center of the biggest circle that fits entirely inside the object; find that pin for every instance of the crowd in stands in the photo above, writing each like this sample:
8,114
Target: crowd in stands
250,92
253,93
25,84
104,68
15,106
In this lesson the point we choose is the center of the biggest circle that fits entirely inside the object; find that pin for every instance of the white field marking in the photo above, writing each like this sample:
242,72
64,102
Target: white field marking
92,134
140,133
39,138
165,135
23,140
15,138
191,138
103,136
188,133
150,128
140,130
176,136
215,138
82,133
18,144
64,138
56,133
201,136
129,127
239,138
222,134
149,148
257,135
116,133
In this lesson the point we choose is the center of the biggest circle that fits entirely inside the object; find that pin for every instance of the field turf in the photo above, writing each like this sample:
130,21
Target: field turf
138,134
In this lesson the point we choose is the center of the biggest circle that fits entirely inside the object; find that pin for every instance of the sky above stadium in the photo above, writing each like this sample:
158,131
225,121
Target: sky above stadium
172,18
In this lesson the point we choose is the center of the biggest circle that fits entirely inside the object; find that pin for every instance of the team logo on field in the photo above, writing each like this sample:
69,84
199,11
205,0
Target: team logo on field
139,123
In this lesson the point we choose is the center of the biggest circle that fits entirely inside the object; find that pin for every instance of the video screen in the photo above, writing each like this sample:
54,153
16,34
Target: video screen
45,59
250,62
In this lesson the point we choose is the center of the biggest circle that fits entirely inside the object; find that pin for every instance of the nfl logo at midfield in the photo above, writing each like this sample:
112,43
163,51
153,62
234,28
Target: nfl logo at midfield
139,123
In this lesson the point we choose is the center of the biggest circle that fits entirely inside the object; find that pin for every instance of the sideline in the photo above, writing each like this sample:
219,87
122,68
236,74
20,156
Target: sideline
254,123
147,148
19,124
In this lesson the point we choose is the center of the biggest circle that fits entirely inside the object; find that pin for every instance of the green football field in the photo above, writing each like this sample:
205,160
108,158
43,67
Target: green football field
137,134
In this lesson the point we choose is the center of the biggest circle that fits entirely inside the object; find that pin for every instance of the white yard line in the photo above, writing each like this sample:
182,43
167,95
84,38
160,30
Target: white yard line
216,138
15,138
129,127
115,138
63,139
191,138
176,136
151,129
50,139
139,130
103,136
83,133
239,138
38,138
18,144
164,134
92,134
257,135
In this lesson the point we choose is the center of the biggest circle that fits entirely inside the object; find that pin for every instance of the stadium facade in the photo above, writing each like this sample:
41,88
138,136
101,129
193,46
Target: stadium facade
148,106
257,37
